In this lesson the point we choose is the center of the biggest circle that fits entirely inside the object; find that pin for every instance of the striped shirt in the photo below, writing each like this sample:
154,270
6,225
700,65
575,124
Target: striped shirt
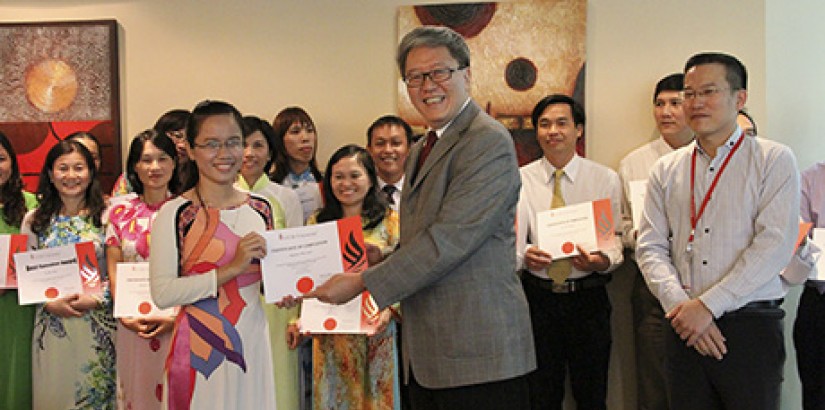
742,241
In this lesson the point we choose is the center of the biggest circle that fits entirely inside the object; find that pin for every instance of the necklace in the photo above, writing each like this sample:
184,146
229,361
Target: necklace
234,210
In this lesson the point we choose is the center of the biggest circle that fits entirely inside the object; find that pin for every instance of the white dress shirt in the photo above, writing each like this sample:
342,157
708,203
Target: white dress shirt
743,240
583,181
636,166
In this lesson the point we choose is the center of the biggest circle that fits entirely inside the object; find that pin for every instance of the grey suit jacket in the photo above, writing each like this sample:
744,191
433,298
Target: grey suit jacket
465,316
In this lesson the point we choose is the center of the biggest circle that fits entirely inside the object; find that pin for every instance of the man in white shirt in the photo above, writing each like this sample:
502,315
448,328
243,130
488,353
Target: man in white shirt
570,317
388,142
719,225
648,316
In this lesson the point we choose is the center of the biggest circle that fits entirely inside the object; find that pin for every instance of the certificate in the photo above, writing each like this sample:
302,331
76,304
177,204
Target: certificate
589,224
637,189
133,297
9,245
57,272
298,259
351,317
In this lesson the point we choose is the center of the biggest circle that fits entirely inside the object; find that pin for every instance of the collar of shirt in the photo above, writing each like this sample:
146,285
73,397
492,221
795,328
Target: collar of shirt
305,176
662,147
261,183
723,149
571,170
439,132
398,184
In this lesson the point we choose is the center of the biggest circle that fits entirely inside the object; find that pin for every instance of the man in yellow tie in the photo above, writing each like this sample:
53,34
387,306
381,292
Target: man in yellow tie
569,307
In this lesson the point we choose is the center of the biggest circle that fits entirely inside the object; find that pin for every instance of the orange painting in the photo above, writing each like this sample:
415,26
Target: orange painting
520,52
57,78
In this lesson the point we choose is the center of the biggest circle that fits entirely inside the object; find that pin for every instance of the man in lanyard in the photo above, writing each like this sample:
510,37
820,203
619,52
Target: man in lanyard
719,224
648,317
467,338
569,307
388,142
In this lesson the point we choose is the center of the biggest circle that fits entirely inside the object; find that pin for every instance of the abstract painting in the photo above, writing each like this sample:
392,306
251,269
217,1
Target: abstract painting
57,78
520,52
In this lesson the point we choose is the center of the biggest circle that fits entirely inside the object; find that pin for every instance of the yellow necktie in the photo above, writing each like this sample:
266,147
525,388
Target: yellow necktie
560,269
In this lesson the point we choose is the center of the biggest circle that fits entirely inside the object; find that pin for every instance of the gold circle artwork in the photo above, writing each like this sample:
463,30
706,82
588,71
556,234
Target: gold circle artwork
51,85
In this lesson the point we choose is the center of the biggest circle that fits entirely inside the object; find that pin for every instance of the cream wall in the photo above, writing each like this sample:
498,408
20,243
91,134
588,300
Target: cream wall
326,55
335,58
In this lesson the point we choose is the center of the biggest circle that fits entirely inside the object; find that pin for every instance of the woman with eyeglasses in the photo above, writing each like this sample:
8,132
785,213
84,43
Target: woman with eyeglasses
353,372
295,166
73,358
18,321
142,343
205,258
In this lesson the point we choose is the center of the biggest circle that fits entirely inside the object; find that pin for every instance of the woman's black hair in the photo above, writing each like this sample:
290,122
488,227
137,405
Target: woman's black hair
252,124
280,125
11,193
163,143
375,206
200,113
49,197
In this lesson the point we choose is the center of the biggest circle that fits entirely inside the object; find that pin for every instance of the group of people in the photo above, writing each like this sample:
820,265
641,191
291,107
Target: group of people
196,193
473,314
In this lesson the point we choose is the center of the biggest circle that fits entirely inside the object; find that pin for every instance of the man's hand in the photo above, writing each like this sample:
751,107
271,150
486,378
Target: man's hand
690,319
339,289
712,343
536,259
590,262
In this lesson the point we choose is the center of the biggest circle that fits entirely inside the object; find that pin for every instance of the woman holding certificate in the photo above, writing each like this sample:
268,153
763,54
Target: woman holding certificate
357,371
73,358
205,258
18,321
259,151
142,343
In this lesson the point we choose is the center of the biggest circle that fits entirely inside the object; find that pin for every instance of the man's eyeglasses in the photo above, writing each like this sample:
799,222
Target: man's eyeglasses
704,93
234,144
439,75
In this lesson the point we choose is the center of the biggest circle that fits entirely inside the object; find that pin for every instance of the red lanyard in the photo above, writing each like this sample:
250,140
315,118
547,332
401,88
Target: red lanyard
694,218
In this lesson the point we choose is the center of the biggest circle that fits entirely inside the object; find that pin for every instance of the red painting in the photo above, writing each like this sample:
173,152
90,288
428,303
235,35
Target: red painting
57,78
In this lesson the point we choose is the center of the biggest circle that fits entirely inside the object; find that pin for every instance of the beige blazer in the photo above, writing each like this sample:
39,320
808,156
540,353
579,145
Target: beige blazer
466,319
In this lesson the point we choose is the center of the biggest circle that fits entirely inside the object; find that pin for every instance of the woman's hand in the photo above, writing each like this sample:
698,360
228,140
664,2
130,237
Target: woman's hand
85,303
374,255
288,302
136,325
251,246
293,336
62,307
380,321
157,326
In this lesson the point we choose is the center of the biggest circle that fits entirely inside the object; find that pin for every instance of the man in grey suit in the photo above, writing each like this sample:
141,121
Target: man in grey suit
467,336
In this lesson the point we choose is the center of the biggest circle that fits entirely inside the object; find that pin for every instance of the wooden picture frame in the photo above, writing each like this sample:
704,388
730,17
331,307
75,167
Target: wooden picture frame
57,78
